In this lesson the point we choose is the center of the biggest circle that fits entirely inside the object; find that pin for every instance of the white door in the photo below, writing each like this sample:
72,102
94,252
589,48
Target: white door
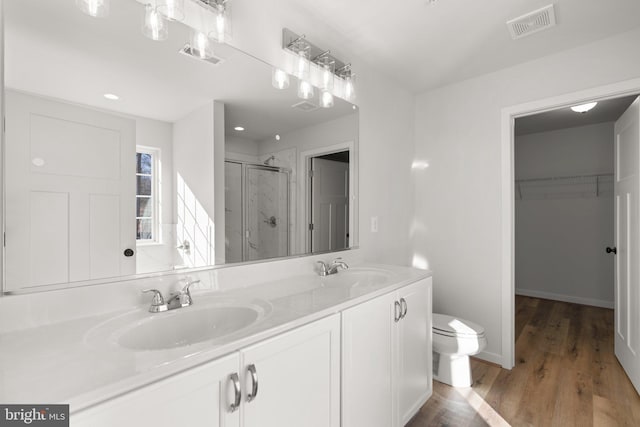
414,350
200,397
329,205
70,174
627,235
293,380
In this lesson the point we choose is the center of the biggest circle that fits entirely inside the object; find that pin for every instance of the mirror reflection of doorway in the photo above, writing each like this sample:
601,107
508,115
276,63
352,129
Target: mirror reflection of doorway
329,202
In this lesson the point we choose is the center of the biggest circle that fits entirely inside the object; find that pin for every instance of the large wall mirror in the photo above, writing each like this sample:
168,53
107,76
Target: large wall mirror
128,157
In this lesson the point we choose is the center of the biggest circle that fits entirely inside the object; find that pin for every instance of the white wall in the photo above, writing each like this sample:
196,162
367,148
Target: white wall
458,225
560,241
159,257
240,149
193,160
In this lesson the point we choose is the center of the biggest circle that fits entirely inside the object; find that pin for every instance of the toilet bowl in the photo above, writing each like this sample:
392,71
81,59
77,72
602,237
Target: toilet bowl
454,340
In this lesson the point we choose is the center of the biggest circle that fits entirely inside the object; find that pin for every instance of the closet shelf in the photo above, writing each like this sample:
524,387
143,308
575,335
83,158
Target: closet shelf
564,187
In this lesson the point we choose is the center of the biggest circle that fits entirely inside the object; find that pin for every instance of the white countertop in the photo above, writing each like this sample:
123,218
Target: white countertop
68,362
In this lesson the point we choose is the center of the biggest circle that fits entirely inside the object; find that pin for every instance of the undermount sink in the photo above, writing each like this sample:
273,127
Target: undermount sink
204,321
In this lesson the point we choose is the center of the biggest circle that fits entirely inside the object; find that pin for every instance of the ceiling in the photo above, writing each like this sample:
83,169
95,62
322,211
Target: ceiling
605,111
53,49
427,45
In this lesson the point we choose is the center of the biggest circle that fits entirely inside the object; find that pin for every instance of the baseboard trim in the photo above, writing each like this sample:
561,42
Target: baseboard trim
565,298
489,357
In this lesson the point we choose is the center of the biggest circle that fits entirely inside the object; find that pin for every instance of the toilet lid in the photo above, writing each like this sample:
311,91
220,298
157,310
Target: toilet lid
453,326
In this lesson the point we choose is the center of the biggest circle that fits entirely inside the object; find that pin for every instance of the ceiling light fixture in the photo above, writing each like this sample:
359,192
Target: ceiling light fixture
277,137
583,108
154,26
111,96
239,128
173,10
95,8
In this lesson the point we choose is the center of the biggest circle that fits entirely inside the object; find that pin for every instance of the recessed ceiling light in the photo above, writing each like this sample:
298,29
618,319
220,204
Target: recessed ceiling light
111,96
583,108
239,128
277,137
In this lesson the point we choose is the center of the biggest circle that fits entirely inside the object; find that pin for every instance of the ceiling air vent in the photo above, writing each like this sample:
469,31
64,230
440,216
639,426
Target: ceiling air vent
305,106
193,53
532,22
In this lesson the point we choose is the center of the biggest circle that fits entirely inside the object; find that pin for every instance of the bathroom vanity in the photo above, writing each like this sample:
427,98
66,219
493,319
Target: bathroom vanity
319,351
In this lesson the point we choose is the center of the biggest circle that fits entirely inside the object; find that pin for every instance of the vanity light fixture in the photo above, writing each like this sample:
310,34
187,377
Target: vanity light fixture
111,96
239,128
155,27
200,45
220,33
327,71
583,108
326,99
305,90
279,78
173,10
95,8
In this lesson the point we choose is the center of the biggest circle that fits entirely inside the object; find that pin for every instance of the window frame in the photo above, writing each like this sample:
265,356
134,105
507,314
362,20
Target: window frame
155,194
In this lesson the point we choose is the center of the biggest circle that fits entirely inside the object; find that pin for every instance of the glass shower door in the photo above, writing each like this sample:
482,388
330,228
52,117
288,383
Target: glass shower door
267,212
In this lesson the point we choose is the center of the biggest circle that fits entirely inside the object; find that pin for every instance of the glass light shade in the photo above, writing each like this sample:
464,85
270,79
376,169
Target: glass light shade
201,45
171,9
327,68
154,26
349,87
95,8
301,52
221,31
305,89
279,78
326,99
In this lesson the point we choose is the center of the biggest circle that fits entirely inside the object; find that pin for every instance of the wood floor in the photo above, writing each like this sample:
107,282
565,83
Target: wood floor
566,374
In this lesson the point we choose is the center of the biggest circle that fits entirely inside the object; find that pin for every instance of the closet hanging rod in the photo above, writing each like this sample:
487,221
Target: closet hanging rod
556,178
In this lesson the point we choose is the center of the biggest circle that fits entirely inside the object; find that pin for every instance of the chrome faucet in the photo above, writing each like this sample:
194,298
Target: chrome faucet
326,270
176,300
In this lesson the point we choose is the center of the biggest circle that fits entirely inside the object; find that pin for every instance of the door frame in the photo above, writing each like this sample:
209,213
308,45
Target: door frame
508,116
304,214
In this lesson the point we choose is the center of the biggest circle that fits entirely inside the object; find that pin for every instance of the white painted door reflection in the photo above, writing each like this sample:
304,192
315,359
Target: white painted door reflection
329,204
69,200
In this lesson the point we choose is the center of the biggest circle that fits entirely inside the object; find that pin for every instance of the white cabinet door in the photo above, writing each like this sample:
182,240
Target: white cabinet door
367,389
199,397
414,370
386,358
297,376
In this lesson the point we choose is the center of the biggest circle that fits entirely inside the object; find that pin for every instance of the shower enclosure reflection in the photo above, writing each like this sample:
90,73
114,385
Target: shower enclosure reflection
257,206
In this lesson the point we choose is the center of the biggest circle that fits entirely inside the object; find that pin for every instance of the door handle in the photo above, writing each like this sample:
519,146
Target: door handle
235,380
397,311
612,250
403,307
254,382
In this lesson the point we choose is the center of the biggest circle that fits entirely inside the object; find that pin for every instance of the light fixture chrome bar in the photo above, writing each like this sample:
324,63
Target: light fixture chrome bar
289,38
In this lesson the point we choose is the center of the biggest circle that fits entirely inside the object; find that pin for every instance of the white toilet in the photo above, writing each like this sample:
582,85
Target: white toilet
454,340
